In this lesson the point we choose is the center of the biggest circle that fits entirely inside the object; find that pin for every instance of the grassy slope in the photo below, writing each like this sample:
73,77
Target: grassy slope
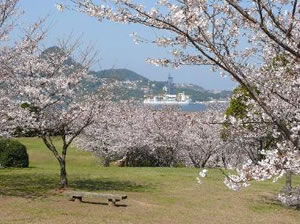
155,195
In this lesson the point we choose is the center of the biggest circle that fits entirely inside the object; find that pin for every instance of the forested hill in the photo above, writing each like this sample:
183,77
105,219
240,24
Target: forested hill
135,86
119,74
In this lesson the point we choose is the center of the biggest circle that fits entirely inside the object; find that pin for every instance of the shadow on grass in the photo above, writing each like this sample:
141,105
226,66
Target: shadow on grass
266,203
38,185
27,185
103,203
106,184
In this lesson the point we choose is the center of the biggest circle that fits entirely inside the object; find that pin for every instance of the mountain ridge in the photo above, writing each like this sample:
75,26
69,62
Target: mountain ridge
120,74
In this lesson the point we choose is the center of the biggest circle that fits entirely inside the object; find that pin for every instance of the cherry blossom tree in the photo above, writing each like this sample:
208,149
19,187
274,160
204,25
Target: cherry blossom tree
117,133
49,96
11,50
165,127
8,14
249,135
41,90
128,129
104,137
238,38
202,140
155,136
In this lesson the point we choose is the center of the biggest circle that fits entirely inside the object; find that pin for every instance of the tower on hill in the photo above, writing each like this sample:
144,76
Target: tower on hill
171,85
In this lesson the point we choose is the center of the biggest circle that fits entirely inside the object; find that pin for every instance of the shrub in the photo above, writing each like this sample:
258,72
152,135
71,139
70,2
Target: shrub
139,157
13,154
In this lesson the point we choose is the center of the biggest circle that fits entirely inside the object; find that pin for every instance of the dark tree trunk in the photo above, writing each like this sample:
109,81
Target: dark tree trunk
205,160
106,162
61,159
224,161
63,175
288,180
195,163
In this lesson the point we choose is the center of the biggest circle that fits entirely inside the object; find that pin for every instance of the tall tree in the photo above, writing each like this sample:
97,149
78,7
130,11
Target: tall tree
40,90
8,14
51,99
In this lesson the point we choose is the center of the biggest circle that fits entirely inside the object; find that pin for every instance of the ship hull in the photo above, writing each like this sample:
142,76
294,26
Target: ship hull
167,102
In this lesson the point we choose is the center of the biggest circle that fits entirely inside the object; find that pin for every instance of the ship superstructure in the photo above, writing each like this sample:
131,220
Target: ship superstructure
169,97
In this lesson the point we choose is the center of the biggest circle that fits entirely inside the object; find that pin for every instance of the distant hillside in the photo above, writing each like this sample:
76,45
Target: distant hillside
119,74
190,87
141,86
134,86
58,50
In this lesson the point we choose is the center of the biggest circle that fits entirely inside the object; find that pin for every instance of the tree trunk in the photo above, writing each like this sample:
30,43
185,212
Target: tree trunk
288,180
224,161
63,174
61,159
205,160
106,162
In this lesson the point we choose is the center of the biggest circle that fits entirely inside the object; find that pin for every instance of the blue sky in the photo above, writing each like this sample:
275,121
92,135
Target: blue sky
116,48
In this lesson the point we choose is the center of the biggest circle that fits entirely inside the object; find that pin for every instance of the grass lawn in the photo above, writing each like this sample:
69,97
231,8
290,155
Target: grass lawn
155,195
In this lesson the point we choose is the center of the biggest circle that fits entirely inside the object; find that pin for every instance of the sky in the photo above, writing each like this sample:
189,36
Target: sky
116,47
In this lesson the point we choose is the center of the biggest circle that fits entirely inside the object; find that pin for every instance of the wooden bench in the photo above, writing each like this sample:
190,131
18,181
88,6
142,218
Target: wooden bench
111,198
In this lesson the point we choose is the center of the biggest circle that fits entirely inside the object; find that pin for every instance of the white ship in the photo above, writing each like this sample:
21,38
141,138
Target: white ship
169,99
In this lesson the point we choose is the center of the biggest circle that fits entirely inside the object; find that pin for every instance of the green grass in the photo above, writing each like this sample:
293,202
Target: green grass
155,195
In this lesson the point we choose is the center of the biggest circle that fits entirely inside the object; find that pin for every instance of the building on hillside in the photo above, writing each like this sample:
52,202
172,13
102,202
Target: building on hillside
169,96
171,85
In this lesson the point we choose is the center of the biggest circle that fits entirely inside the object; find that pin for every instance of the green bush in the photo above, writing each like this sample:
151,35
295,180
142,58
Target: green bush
13,154
140,157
